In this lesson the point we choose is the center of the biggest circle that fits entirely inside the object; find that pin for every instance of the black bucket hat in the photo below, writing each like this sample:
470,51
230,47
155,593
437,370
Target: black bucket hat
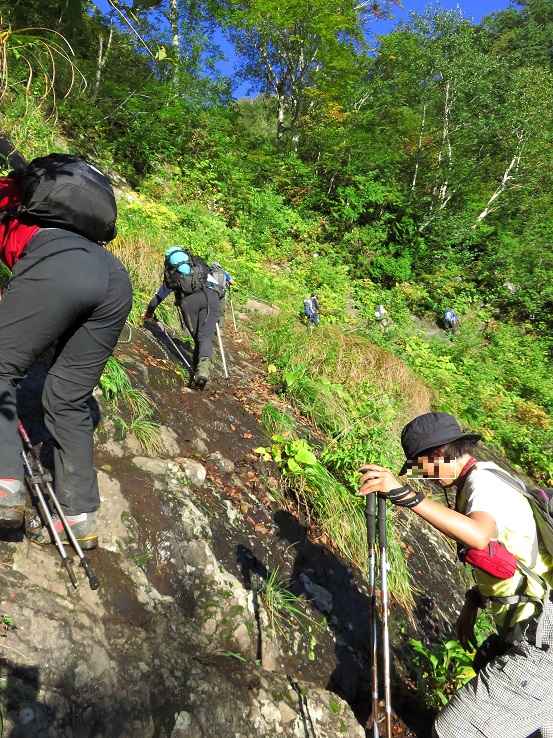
430,431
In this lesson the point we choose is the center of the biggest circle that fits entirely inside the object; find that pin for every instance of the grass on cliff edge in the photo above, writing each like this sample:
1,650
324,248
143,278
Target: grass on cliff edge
357,398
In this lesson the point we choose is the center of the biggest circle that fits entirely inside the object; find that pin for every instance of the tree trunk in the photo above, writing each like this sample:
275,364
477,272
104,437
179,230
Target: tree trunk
280,117
174,21
503,185
102,58
445,155
419,149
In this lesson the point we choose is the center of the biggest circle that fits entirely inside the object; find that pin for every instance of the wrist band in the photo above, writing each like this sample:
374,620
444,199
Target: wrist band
473,595
399,496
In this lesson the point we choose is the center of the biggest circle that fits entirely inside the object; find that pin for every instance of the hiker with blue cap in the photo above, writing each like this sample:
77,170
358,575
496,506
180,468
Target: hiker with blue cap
496,531
198,290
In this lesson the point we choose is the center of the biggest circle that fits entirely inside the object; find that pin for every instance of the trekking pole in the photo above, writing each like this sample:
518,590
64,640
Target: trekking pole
36,482
173,344
46,479
232,309
384,603
222,354
370,513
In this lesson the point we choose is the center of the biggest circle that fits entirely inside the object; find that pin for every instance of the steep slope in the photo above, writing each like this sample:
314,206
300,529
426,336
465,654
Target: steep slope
182,638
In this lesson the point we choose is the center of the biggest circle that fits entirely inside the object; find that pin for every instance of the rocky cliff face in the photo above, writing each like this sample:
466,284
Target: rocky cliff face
182,638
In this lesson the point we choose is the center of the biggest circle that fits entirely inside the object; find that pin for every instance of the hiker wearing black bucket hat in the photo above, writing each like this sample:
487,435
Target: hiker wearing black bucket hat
510,696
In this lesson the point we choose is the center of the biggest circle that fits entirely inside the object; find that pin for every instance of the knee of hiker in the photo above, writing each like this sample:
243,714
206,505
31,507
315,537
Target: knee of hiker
59,394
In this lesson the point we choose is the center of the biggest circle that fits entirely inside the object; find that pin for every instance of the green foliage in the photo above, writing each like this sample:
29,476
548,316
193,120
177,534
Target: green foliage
441,670
483,384
338,513
33,58
114,381
118,390
282,605
292,454
275,421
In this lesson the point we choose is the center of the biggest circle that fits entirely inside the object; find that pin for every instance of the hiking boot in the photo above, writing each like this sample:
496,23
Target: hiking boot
12,503
201,377
82,526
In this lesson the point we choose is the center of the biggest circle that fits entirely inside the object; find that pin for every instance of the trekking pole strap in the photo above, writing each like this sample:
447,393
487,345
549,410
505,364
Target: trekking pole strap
400,496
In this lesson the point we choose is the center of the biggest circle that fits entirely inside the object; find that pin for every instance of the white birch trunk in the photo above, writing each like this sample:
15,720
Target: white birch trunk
102,58
174,21
419,149
502,187
445,155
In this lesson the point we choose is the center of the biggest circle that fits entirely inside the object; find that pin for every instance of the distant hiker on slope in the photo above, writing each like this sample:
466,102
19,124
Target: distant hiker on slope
311,309
381,317
197,292
65,290
451,320
496,528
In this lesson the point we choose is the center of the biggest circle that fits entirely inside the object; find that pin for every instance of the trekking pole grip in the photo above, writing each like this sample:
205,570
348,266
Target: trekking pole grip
370,514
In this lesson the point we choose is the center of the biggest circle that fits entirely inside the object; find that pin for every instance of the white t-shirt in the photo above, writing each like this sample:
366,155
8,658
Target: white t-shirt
488,493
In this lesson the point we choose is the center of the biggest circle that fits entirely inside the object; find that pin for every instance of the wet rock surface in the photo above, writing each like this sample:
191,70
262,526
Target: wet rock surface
179,639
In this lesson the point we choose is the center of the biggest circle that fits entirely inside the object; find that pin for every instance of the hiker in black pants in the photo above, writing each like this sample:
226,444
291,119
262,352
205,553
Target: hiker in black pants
69,292
200,309
200,312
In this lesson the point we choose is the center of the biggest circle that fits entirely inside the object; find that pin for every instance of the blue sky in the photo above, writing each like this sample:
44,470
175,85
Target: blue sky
475,9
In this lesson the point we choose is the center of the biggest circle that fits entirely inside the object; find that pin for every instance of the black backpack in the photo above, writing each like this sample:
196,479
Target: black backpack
184,272
66,191
217,272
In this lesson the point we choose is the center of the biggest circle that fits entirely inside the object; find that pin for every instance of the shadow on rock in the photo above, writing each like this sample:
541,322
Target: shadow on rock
20,687
332,588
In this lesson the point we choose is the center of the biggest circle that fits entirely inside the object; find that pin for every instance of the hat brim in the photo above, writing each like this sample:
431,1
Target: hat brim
424,452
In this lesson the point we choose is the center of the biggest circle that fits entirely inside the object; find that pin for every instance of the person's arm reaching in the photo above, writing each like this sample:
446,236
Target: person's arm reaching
474,530
156,300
